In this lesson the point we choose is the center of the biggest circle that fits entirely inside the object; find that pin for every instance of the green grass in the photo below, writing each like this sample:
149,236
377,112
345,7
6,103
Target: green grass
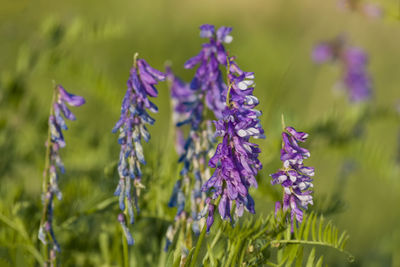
88,47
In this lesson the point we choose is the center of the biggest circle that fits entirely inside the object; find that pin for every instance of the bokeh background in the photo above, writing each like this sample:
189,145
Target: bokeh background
88,47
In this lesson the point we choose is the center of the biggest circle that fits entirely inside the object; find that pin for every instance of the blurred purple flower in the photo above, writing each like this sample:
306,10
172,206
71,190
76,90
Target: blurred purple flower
322,53
191,101
132,129
354,63
55,141
294,177
236,158
371,10
188,110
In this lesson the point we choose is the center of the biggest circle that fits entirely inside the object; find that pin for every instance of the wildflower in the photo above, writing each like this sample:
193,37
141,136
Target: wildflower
208,78
294,176
58,112
191,103
354,64
188,110
236,158
132,129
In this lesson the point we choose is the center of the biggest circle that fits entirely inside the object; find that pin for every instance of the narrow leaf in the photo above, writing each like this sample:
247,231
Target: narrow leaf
310,219
299,257
321,223
313,230
319,262
310,261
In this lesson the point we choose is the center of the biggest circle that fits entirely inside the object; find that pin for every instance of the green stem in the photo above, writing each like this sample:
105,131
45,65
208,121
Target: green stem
125,250
214,242
201,237
198,246
45,250
283,122
135,56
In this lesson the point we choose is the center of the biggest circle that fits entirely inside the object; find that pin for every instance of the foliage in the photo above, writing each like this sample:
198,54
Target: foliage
89,52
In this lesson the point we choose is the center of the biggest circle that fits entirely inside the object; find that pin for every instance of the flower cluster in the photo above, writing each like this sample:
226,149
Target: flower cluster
208,78
354,63
236,158
191,102
59,110
132,128
188,109
294,176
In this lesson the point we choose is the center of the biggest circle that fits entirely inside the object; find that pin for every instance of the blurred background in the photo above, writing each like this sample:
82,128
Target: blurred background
88,46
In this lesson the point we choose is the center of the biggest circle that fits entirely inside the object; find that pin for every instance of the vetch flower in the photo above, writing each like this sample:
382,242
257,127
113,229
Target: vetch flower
188,110
191,103
294,177
58,113
132,130
208,78
354,63
236,160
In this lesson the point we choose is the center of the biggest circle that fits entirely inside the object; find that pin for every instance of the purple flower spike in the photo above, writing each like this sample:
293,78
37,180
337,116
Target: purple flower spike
208,79
132,130
58,114
193,150
294,176
236,158
353,60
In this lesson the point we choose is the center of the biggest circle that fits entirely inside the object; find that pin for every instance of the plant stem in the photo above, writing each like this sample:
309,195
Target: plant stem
198,245
216,238
45,250
125,251
283,122
135,56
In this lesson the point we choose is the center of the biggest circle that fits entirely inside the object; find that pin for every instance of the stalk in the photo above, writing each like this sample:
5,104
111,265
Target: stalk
45,183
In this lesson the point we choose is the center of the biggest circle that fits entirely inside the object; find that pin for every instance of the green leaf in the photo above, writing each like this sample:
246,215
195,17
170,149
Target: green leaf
299,257
320,228
327,236
189,257
319,262
292,253
313,230
327,233
308,222
310,261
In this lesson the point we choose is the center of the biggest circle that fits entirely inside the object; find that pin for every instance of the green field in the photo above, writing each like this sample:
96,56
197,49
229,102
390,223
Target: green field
88,47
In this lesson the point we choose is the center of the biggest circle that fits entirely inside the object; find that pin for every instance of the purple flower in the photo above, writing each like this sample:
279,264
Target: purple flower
188,110
55,141
208,78
132,130
294,176
236,158
191,102
128,236
322,53
354,63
